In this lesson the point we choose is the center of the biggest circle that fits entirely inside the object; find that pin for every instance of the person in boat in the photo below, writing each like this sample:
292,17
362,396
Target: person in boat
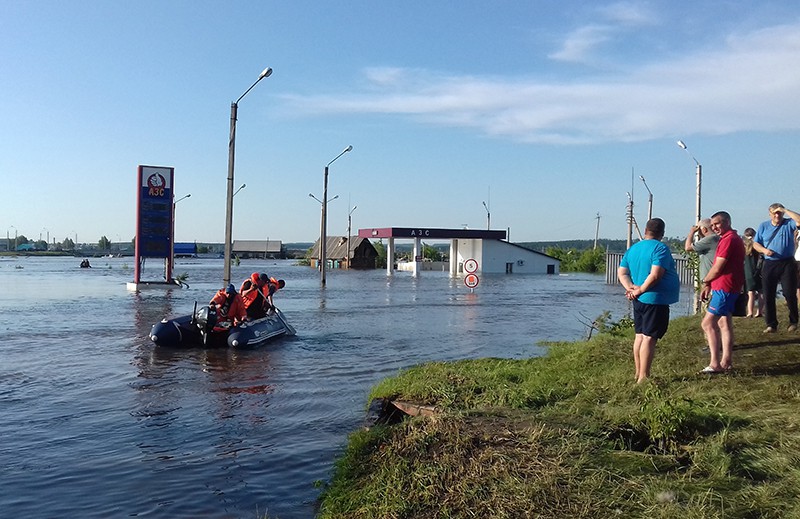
254,293
273,285
85,264
229,306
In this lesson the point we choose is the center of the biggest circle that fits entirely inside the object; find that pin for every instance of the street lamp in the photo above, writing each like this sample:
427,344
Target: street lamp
319,257
8,239
649,199
324,223
231,153
349,221
239,189
699,180
488,217
320,201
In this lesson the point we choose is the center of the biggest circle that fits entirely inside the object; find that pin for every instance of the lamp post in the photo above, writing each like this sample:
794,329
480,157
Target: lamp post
649,199
488,217
349,222
231,153
172,239
324,223
8,239
699,180
319,257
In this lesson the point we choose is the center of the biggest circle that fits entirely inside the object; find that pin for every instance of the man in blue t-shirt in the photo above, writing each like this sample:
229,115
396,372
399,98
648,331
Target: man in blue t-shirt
775,240
647,272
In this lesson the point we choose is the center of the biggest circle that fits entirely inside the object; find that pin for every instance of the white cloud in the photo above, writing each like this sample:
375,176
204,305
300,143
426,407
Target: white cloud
750,84
628,13
580,43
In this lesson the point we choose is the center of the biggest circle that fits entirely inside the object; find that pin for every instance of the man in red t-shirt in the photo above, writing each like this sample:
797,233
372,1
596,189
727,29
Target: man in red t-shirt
724,283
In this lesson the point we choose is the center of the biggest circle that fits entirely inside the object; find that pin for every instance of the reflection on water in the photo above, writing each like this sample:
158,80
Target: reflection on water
100,423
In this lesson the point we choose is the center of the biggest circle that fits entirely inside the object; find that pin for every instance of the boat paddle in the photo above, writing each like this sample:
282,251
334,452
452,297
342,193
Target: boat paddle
289,328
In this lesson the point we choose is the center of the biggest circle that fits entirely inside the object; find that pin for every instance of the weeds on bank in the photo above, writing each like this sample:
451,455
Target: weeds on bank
571,435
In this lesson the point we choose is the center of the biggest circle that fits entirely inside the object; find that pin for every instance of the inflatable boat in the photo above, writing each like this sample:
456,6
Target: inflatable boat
200,329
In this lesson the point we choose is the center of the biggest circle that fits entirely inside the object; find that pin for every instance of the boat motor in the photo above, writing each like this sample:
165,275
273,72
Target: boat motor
205,319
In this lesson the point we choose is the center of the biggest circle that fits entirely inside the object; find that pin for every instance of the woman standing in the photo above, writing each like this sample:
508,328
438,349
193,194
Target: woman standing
752,275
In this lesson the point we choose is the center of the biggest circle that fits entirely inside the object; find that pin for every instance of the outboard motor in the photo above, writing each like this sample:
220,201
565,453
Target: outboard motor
205,319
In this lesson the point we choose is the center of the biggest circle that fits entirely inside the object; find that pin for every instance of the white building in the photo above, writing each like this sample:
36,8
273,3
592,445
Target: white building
488,250
502,257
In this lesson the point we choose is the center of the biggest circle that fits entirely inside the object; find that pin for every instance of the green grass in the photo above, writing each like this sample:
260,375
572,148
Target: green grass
572,435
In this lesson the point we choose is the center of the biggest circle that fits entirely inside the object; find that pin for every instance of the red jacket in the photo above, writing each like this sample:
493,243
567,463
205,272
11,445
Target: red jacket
251,290
233,310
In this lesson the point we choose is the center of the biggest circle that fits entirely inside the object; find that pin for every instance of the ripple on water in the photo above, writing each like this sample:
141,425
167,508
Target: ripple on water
98,422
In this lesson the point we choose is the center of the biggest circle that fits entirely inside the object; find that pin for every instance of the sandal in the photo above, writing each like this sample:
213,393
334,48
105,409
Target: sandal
708,370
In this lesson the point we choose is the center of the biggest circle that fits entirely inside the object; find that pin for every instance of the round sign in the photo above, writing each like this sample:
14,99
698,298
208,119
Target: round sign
471,265
471,280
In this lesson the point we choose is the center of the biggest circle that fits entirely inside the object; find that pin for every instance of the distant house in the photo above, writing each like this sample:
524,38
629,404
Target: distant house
338,249
258,249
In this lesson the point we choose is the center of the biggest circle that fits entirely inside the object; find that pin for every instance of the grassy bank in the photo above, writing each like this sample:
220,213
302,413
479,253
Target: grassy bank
571,435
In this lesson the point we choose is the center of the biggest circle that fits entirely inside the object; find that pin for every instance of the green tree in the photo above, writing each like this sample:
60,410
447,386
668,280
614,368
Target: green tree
104,243
380,261
68,244
591,260
431,253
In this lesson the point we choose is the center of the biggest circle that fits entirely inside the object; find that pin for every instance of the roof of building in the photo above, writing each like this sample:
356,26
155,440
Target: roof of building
431,233
255,246
336,247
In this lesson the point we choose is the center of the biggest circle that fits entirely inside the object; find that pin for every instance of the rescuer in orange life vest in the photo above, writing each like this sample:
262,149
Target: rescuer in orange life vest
257,293
273,286
229,306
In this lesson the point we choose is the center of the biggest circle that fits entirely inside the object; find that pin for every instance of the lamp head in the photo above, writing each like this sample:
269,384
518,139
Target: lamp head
681,144
267,72
349,148
641,177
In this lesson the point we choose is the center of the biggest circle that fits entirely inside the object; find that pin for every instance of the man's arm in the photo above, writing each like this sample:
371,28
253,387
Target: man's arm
688,245
624,276
791,214
655,275
715,270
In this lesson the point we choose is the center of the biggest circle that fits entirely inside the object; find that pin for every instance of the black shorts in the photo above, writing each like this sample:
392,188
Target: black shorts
650,320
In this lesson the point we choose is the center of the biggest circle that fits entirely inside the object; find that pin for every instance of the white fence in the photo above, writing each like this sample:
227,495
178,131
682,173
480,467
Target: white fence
613,259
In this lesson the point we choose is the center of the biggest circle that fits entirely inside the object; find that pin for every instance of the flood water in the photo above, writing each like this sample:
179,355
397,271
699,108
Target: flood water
96,421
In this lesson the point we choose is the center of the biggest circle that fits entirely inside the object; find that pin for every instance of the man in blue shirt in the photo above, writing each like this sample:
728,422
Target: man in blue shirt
775,240
647,272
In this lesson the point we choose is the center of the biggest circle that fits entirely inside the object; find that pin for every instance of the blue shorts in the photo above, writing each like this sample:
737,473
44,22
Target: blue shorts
722,303
650,320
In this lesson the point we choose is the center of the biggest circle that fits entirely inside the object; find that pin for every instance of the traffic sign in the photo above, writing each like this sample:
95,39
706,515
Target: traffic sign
471,280
471,265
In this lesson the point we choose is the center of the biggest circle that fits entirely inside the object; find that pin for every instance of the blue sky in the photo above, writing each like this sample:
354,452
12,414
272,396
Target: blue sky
548,111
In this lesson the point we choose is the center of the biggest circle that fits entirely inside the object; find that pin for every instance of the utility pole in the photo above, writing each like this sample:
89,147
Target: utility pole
629,217
597,230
